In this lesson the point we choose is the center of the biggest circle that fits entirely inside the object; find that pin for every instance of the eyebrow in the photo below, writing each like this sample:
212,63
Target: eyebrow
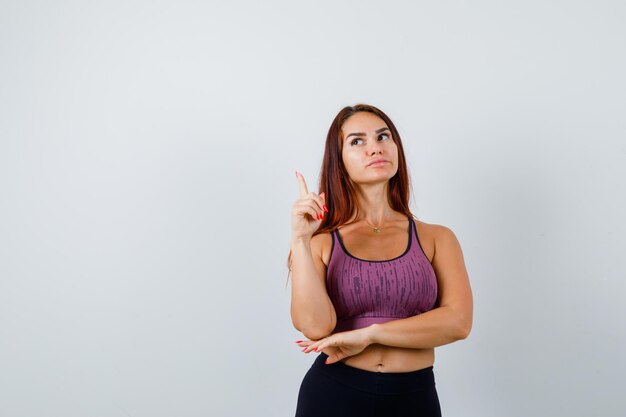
363,133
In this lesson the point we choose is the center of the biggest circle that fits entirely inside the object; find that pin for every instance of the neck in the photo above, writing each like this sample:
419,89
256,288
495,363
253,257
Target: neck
373,204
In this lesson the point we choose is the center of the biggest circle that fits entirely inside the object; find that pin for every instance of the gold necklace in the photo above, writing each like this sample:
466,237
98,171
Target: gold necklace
376,229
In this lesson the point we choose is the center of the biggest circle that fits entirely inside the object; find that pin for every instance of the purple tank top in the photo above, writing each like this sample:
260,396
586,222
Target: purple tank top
366,292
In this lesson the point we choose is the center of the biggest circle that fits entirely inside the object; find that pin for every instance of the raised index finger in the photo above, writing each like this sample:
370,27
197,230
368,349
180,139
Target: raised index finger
303,190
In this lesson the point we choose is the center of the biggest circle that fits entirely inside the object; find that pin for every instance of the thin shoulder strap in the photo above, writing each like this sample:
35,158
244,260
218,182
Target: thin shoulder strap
333,245
419,243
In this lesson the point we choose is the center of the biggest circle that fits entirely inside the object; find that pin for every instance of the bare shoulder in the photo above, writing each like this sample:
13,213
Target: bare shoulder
447,249
433,236
321,245
444,237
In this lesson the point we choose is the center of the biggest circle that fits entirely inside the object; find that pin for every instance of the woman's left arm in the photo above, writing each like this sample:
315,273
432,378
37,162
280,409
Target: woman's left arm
449,322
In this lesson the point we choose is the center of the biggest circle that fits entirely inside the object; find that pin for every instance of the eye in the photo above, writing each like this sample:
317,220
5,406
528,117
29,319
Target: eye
379,136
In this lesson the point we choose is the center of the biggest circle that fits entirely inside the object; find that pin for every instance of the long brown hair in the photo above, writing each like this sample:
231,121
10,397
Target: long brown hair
341,198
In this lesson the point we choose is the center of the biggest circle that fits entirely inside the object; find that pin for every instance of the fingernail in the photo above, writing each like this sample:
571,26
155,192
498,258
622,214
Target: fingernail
298,341
316,350
325,208
326,361
303,349
297,174
322,195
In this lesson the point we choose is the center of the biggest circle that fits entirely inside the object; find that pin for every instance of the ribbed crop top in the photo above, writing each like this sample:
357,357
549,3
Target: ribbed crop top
365,292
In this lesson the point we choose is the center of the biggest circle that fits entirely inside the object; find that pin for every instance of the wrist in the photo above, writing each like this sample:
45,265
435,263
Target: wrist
300,240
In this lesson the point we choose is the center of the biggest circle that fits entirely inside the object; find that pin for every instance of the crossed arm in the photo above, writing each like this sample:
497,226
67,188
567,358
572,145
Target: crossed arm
447,323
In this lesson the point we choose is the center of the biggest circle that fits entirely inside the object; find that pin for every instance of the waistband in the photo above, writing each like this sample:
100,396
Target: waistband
375,382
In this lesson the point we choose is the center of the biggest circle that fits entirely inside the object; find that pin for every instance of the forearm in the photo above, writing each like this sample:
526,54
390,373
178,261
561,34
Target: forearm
312,311
433,328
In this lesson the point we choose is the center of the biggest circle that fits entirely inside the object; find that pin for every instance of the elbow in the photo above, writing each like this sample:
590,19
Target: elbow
464,333
314,332
315,327
464,327
317,332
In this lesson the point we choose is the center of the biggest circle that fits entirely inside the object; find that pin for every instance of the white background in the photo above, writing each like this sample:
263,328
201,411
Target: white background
147,158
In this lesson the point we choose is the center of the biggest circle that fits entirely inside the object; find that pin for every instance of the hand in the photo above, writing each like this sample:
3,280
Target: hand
340,345
307,212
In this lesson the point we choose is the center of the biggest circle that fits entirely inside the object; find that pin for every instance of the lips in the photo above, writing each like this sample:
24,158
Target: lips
377,160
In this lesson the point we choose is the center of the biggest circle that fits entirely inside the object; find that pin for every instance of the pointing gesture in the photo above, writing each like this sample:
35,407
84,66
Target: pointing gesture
307,212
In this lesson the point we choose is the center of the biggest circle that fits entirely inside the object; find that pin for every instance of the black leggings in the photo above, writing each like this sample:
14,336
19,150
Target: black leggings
342,390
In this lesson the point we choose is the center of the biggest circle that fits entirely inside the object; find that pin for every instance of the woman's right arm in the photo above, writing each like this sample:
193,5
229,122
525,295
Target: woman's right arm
312,311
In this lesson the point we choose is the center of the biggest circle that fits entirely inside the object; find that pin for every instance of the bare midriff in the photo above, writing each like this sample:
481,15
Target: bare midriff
381,358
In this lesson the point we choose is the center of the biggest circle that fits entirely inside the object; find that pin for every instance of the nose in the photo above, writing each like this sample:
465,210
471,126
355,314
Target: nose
374,147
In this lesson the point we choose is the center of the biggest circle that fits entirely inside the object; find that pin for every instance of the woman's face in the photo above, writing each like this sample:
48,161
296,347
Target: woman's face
367,138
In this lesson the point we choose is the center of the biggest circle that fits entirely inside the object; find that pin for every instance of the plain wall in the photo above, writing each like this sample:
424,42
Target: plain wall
147,158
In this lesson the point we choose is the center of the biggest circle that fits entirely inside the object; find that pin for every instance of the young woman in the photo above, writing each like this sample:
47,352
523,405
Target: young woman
373,289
